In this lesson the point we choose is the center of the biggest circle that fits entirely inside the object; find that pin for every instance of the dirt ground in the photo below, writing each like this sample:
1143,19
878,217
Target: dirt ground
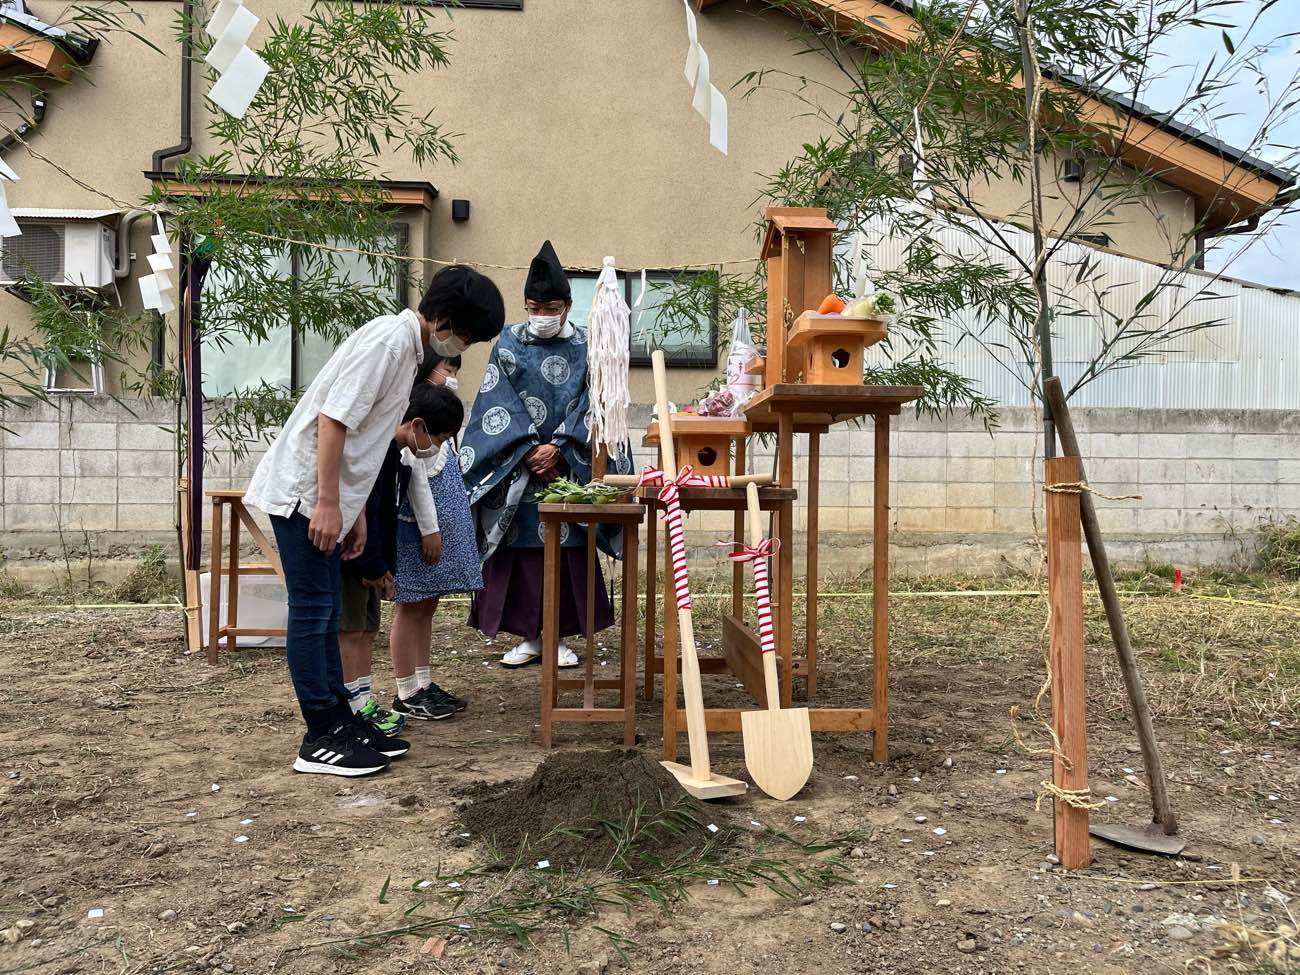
150,822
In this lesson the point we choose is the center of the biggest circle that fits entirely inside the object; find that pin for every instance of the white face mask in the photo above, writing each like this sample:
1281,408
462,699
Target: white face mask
451,383
449,346
545,326
424,453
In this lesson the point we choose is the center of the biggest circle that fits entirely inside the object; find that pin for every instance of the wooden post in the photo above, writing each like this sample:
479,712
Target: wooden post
232,588
670,655
1066,660
214,583
599,463
776,306
785,560
550,625
1137,695
651,609
810,536
627,654
880,593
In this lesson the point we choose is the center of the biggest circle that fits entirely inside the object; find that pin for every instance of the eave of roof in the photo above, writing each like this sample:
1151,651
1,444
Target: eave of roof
1164,120
81,49
55,213
399,192
1249,167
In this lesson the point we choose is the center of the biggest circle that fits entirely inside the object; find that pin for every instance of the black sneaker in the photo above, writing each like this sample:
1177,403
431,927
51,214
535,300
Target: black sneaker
371,737
338,752
422,706
441,696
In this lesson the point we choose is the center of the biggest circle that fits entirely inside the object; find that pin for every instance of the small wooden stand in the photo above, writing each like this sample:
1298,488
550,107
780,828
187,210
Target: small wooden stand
238,514
553,516
1066,660
706,443
829,348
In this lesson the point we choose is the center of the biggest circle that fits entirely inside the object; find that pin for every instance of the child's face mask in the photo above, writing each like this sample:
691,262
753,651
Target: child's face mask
424,453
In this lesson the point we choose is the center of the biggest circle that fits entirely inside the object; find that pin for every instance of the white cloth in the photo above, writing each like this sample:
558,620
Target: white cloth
419,492
366,386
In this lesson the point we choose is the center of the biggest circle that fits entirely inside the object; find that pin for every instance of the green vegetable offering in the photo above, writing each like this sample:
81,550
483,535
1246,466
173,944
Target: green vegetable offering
564,491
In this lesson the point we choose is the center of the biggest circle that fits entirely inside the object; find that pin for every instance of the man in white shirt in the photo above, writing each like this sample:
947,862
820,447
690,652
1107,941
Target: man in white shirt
314,482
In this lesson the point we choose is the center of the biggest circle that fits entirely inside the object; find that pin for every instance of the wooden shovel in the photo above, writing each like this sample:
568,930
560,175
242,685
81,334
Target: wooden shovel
697,779
778,743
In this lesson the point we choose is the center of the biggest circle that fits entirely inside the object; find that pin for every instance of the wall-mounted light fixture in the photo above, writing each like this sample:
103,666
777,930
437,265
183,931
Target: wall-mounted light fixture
460,210
1072,170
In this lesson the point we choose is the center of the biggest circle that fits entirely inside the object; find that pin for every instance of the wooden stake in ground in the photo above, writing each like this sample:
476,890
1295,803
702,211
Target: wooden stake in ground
778,742
1065,593
697,779
1162,836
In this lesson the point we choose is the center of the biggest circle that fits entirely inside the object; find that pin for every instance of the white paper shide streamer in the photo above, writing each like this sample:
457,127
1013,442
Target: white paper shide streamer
240,70
920,176
608,327
8,225
707,100
157,289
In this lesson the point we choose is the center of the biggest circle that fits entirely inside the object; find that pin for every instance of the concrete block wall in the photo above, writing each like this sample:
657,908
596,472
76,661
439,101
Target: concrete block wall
86,471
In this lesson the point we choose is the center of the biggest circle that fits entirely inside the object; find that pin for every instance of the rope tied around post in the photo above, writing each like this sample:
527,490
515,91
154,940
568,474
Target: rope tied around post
1079,487
1074,798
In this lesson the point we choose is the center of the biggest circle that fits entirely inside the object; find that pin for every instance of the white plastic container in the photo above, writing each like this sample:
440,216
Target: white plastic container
263,603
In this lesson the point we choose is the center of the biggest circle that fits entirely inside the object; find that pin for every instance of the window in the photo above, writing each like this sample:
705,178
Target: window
289,357
696,349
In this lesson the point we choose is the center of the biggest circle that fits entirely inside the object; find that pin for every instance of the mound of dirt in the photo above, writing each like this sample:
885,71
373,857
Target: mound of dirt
590,808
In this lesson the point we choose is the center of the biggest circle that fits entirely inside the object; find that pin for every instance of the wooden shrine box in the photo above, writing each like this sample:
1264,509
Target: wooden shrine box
703,442
828,348
797,248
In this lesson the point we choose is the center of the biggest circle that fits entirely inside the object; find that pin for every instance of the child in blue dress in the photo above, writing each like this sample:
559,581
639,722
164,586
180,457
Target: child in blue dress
436,556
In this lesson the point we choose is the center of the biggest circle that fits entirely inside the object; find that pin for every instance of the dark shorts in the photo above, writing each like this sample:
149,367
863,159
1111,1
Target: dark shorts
360,607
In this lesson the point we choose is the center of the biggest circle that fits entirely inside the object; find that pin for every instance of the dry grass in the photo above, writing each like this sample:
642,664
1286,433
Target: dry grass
1279,548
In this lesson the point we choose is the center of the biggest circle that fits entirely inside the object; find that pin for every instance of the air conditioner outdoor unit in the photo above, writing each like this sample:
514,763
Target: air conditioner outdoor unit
71,253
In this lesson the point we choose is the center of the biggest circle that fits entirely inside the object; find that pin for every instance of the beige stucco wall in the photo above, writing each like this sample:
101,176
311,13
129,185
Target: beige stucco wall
573,121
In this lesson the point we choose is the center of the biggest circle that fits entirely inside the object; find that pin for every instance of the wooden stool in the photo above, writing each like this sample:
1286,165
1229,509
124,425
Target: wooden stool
553,517
238,513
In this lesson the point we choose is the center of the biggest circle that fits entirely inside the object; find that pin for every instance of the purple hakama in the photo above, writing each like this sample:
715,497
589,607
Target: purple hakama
511,599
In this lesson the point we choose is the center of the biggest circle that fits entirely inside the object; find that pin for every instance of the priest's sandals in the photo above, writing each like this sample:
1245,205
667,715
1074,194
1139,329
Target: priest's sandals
530,652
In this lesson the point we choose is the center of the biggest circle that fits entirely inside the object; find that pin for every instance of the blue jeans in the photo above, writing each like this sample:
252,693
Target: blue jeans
315,588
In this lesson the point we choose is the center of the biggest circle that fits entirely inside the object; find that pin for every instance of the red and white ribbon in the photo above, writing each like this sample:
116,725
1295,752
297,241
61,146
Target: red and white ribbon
670,495
758,555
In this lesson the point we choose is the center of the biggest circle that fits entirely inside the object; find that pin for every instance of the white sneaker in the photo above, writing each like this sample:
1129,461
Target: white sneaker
567,657
528,652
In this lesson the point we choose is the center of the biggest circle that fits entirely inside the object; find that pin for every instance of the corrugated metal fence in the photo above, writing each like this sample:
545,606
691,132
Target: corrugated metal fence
1250,359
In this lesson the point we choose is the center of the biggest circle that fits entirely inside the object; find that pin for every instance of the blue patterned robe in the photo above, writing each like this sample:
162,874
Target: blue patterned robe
534,392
